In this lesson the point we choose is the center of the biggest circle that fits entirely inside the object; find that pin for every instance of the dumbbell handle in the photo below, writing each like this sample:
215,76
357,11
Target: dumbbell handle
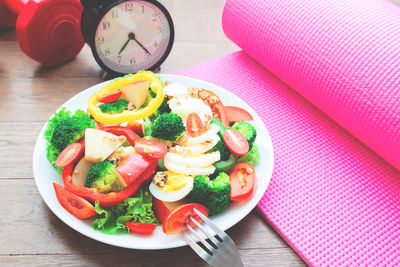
15,5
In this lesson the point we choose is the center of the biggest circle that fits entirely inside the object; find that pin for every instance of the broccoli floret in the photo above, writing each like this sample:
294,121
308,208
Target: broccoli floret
70,130
214,194
114,107
103,177
168,126
252,157
52,151
247,130
223,150
164,107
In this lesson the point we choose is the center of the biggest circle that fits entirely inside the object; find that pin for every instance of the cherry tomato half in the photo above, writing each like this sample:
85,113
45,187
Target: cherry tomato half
236,142
242,180
75,205
69,154
194,125
110,97
151,149
235,114
178,217
141,228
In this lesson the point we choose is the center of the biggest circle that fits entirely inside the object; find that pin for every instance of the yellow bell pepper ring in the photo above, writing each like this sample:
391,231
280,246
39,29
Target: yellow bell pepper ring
127,115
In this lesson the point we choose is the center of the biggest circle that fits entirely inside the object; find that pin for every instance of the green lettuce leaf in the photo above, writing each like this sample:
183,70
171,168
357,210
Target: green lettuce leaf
135,209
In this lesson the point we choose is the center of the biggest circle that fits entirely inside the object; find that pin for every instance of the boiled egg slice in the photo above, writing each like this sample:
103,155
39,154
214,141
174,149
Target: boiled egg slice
184,105
175,89
198,161
207,170
176,187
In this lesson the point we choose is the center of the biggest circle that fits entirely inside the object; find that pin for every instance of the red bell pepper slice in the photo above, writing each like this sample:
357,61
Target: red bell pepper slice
113,198
109,199
120,130
75,205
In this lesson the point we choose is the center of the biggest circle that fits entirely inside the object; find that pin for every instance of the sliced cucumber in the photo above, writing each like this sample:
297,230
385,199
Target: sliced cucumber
160,165
225,165
221,127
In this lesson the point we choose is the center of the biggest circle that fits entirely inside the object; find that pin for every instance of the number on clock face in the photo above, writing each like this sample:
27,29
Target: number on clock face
132,36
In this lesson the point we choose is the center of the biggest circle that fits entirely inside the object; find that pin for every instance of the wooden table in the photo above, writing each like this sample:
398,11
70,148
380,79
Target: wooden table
30,234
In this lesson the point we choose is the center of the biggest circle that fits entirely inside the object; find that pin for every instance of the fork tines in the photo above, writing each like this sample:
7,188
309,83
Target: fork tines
218,249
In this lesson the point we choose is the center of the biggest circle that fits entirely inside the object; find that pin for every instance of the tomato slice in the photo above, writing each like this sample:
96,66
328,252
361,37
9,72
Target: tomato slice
68,155
236,142
160,210
141,228
242,180
151,149
194,125
75,205
235,114
178,217
167,82
216,106
110,97
220,112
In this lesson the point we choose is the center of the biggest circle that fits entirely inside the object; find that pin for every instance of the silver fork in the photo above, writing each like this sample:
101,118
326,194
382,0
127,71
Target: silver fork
221,249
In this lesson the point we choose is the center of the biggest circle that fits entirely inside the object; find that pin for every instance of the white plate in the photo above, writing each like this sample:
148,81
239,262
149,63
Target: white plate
45,174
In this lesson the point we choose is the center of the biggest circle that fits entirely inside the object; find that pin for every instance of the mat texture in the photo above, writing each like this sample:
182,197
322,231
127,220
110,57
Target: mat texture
334,200
333,111
342,55
325,78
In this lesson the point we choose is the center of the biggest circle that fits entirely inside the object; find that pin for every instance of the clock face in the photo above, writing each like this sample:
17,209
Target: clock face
133,35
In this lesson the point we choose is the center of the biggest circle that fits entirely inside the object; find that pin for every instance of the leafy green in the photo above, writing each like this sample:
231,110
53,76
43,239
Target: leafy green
135,209
252,157
52,151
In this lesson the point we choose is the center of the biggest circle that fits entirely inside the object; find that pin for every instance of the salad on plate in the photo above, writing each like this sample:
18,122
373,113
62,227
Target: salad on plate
146,152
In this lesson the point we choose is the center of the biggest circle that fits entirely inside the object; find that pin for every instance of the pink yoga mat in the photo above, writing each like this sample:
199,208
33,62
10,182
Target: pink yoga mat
324,77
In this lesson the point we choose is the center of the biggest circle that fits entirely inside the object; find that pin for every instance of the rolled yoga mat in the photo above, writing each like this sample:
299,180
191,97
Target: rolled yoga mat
324,76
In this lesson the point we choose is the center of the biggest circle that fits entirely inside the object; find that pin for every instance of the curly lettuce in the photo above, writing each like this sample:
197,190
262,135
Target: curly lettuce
135,209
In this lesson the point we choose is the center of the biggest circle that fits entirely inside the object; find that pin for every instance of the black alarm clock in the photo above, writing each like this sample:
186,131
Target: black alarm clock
126,36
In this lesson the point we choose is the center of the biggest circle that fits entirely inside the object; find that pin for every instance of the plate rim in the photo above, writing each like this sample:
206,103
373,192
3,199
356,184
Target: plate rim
98,236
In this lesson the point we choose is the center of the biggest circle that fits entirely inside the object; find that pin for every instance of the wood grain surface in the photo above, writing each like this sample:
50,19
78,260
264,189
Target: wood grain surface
30,234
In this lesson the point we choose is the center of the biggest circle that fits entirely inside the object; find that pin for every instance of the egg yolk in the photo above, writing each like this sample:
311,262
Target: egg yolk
175,181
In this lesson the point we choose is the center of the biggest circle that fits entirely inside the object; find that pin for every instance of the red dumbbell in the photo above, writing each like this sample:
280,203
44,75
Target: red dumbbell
48,30
7,18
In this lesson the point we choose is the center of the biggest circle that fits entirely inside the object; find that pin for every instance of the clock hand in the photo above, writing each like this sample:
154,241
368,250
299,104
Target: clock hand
123,47
144,48
132,36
